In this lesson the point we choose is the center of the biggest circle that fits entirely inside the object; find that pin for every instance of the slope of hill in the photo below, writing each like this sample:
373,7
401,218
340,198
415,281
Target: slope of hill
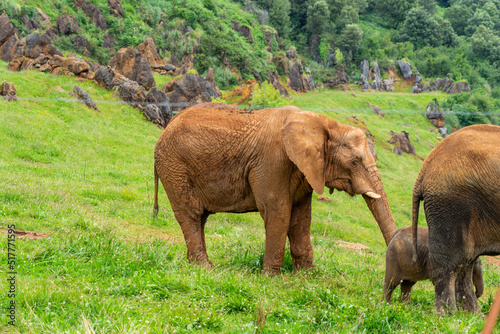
86,180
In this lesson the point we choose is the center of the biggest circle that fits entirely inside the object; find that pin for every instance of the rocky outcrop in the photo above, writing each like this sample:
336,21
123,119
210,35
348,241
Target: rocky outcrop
82,95
270,37
244,92
104,77
297,81
93,12
210,77
434,114
6,28
80,43
107,41
190,89
158,109
148,49
457,88
67,25
43,18
134,66
115,8
11,48
40,43
340,78
402,141
30,24
405,68
76,65
274,79
8,91
187,64
377,81
243,30
130,91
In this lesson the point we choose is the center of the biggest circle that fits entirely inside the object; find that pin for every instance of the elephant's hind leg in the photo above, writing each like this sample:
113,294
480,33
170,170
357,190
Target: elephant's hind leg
464,286
191,216
300,236
406,290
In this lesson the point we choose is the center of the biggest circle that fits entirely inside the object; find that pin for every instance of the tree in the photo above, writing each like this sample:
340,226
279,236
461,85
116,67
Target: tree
317,17
348,15
395,10
484,43
279,16
429,5
350,38
481,17
447,35
458,17
420,28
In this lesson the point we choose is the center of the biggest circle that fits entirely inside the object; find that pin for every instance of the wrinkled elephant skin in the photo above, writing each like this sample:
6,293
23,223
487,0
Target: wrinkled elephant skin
217,158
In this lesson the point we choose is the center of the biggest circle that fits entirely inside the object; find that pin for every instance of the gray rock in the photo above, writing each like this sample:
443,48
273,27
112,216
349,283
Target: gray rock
190,89
160,100
8,91
405,68
115,8
104,77
376,84
6,28
134,66
365,69
67,25
85,98
274,79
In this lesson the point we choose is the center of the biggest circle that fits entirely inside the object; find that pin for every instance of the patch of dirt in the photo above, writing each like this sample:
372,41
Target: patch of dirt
493,260
323,198
27,234
354,246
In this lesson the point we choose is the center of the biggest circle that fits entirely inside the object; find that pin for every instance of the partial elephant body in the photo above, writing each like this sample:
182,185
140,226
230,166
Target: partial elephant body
401,269
460,186
216,158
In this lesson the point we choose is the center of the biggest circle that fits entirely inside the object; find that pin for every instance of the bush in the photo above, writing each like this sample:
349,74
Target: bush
266,96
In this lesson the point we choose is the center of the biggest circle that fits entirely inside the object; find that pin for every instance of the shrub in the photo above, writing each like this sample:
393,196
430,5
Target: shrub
267,96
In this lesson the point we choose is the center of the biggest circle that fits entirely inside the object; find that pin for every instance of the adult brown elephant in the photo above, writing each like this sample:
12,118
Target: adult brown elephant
460,185
217,158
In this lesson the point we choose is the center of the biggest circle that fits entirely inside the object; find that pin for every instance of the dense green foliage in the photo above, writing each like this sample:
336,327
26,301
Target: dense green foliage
460,37
265,95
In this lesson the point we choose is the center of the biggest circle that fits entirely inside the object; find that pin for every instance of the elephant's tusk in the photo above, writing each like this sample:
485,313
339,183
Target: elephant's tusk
372,195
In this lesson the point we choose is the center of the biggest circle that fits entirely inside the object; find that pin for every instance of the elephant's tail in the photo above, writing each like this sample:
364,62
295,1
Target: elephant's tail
417,197
155,206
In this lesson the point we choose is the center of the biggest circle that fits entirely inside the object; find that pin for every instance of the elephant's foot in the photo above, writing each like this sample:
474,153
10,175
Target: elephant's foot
271,271
302,263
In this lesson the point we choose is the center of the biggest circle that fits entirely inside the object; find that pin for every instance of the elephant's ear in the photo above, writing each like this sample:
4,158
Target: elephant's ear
304,137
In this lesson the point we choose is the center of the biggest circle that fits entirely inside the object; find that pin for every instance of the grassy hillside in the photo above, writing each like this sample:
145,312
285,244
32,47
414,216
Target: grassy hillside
86,179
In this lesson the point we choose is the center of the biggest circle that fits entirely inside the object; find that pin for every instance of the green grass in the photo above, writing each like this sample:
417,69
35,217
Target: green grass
86,179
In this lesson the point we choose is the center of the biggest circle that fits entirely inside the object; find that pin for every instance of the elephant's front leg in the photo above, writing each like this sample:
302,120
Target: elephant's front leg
277,220
300,236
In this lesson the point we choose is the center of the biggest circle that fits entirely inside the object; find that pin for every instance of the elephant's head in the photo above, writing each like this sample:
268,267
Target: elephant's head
337,156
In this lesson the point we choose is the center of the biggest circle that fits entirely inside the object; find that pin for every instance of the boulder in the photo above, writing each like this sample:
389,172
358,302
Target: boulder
30,24
190,89
56,61
457,88
92,11
339,78
331,59
6,28
115,8
43,18
107,41
85,98
405,68
309,81
402,141
210,77
15,64
434,114
40,43
365,69
134,66
364,83
187,64
274,79
282,63
104,77
377,81
8,91
148,49
295,78
80,43
243,30
162,111
40,60
75,65
8,49
387,85
130,91
67,25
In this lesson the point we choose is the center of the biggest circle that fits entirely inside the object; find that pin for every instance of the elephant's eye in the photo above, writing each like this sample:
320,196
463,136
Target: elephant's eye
355,162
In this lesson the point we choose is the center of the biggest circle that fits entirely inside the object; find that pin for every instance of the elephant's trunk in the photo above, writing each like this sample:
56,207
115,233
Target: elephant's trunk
380,207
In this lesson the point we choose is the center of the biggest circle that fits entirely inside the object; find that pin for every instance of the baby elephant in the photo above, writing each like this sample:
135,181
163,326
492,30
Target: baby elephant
400,269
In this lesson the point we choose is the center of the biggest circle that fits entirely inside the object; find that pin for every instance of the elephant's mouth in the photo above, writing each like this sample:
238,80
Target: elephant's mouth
341,185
